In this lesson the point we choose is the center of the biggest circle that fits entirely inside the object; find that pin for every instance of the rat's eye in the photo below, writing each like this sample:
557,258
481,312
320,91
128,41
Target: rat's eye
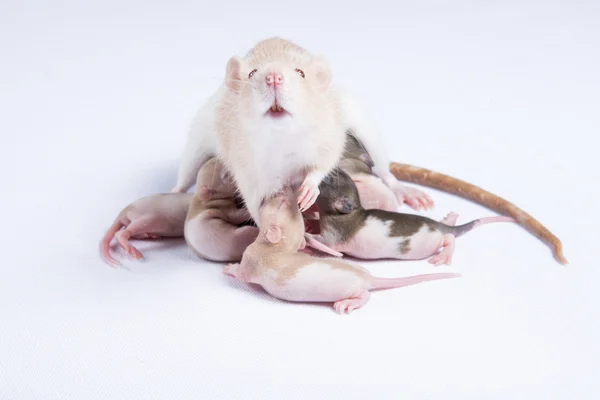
252,73
298,70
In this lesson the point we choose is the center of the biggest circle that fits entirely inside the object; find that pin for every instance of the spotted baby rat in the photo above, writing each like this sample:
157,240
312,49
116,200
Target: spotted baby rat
151,217
274,262
347,227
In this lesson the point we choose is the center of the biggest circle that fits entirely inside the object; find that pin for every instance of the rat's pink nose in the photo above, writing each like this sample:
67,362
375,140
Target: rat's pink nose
274,78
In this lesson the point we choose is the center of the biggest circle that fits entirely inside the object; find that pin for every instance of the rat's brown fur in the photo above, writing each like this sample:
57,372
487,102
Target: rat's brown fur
436,180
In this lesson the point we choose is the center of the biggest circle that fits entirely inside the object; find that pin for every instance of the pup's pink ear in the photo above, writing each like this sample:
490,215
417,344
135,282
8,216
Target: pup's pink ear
319,67
274,234
234,72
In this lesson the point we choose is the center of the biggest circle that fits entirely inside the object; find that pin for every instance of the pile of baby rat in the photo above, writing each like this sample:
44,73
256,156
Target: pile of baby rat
290,177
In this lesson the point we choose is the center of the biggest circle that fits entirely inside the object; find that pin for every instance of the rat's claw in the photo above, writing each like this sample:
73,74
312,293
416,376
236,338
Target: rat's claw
308,196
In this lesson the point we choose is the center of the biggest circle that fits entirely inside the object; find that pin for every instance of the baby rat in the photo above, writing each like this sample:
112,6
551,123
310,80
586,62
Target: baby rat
347,227
278,123
151,217
212,226
278,118
273,261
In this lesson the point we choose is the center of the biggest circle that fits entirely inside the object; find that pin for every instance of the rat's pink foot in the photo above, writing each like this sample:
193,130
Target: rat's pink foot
309,191
135,253
450,219
415,198
178,189
123,238
237,271
353,303
444,256
231,269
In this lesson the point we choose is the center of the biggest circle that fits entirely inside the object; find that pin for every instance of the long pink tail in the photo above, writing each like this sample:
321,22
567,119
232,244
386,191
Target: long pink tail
390,283
460,230
105,244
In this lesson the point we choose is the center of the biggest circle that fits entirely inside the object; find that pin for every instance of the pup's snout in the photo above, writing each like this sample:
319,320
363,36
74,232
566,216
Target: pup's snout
274,78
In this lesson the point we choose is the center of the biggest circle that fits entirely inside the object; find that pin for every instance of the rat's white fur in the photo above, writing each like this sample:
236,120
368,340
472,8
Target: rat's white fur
264,153
202,140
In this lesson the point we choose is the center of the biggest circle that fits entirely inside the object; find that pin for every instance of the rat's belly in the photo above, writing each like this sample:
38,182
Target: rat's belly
373,241
315,282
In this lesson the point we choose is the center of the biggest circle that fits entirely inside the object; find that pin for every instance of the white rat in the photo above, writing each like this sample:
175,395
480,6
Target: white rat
278,123
212,227
151,217
274,262
277,69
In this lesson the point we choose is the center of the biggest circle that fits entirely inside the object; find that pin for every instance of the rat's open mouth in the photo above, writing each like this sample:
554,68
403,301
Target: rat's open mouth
276,111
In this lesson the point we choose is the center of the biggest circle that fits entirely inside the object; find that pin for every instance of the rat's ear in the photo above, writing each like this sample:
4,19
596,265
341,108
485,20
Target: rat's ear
319,67
274,233
343,205
234,72
205,193
364,157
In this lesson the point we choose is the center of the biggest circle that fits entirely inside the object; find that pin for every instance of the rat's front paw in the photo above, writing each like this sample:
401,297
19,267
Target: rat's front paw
309,191
414,198
231,269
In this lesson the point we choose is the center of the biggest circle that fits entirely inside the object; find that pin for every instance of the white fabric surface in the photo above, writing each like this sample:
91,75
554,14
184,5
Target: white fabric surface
96,98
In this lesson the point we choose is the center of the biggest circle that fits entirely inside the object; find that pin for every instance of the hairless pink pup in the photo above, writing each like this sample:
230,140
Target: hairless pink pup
213,225
151,217
274,262
347,227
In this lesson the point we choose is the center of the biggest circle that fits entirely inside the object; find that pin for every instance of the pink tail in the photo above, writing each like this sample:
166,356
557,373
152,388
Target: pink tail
105,244
487,220
390,283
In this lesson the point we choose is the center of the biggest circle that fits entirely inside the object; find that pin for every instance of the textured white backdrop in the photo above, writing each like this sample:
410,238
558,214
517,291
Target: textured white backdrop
95,100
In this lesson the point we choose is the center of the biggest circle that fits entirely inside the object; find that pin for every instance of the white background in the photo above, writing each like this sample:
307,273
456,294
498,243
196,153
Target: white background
95,102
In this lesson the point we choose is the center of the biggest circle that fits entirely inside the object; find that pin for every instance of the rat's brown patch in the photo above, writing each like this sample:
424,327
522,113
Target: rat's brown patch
403,225
404,246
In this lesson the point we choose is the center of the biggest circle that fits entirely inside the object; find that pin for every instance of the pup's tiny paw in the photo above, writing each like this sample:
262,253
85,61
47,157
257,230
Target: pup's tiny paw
230,269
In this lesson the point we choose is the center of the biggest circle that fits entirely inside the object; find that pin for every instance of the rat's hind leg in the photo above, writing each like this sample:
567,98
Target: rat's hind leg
238,271
444,256
352,303
135,230
450,219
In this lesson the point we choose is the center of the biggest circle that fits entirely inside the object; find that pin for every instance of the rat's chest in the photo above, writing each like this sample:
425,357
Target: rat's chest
283,157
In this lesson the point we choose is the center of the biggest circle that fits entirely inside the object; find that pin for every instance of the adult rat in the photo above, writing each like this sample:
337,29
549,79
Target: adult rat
347,227
278,101
274,262
151,217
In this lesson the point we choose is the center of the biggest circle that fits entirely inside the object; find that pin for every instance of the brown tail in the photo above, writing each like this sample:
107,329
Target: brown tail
105,244
461,188
391,283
